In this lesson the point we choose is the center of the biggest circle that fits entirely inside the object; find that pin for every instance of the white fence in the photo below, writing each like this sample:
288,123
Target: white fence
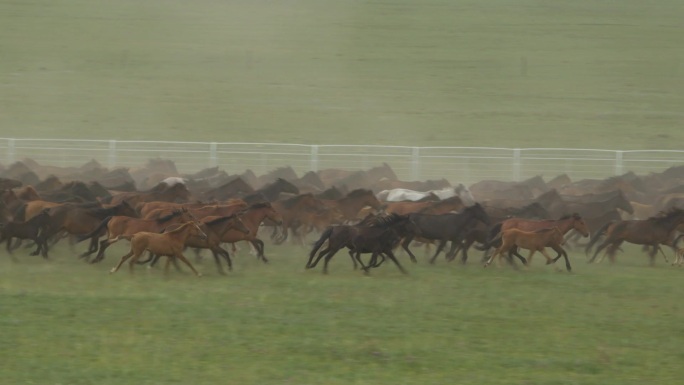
457,164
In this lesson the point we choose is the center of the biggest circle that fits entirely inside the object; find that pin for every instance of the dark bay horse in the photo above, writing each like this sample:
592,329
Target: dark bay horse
270,192
654,231
444,228
79,220
31,229
375,234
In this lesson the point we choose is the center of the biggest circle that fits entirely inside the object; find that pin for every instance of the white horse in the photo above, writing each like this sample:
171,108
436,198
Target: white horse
173,180
402,194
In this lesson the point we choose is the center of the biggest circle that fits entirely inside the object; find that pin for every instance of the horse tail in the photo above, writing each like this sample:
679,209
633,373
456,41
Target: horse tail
494,236
97,230
595,237
324,237
674,244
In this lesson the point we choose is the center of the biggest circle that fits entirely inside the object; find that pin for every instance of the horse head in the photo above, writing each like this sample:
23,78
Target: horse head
579,225
479,213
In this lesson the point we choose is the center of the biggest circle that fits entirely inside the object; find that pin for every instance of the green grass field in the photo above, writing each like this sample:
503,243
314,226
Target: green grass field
589,74
67,322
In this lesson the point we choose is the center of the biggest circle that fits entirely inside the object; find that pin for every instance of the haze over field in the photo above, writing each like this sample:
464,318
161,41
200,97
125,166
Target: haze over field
597,74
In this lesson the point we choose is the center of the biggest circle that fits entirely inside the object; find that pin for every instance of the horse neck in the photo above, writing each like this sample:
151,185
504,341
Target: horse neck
182,233
253,218
669,223
564,225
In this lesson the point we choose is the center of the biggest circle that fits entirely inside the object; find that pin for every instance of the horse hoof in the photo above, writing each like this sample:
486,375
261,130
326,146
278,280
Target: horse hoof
112,271
199,275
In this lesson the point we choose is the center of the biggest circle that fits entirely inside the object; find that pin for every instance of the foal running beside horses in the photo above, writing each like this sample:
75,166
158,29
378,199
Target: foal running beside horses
533,241
169,244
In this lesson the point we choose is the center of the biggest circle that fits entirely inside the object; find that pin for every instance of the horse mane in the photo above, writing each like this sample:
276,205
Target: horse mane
386,220
359,192
545,229
168,217
259,205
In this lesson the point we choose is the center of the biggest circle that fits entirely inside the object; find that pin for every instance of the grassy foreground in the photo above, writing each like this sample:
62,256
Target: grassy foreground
67,322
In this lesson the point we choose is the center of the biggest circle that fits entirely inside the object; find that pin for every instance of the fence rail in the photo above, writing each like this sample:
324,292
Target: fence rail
457,164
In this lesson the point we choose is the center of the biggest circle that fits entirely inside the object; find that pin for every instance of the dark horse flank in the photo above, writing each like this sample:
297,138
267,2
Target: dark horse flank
375,234
654,231
444,228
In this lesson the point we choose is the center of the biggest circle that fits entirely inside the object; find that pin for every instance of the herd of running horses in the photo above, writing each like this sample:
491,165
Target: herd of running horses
162,213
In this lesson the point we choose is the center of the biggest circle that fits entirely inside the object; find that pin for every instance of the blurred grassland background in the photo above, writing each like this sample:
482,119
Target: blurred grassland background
590,74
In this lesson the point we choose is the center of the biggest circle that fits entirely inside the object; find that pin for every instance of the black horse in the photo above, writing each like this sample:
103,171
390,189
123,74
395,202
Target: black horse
444,228
376,235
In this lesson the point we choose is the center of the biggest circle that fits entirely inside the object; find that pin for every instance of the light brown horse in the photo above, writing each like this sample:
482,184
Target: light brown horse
533,241
214,228
121,226
564,224
429,207
170,244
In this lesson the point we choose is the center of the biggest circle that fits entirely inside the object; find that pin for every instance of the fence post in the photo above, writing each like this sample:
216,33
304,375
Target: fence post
516,165
10,152
313,160
212,155
618,162
415,163
111,157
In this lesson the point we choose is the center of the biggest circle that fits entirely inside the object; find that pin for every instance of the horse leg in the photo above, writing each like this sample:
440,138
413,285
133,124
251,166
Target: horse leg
370,263
405,246
226,256
104,244
9,250
442,243
491,257
391,256
661,252
564,254
353,258
514,252
453,250
123,259
259,246
598,249
464,250
549,260
218,262
185,260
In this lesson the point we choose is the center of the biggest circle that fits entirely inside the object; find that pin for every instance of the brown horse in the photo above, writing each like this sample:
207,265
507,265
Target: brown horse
654,231
170,244
295,211
353,202
252,218
533,241
214,228
79,220
121,226
564,224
